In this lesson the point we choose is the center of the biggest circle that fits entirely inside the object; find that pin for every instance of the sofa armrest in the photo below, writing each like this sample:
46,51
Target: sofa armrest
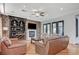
16,46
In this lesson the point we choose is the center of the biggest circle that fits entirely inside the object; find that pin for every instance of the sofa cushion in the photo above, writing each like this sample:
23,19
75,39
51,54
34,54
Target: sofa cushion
41,42
44,35
7,41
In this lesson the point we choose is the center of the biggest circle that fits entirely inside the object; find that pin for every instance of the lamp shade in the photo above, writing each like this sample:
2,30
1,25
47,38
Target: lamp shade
5,28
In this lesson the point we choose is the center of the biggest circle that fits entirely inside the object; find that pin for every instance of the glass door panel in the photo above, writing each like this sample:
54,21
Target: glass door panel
48,29
44,29
54,28
60,28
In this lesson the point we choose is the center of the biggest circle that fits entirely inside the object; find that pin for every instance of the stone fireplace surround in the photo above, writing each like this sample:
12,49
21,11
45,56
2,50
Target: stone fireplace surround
37,31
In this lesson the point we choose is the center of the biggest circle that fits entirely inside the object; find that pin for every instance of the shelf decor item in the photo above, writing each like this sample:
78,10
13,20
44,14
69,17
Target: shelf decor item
14,23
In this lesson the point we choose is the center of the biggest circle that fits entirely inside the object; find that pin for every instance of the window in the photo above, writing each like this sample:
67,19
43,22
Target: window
58,27
54,27
44,28
47,28
61,27
76,27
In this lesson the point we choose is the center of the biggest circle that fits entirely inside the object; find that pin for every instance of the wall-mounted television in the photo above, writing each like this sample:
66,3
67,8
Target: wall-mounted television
31,26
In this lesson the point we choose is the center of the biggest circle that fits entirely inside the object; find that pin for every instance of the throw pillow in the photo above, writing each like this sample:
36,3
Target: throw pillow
6,41
41,42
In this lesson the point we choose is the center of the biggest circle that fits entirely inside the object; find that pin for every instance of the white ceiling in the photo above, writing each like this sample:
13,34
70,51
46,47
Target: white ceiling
52,10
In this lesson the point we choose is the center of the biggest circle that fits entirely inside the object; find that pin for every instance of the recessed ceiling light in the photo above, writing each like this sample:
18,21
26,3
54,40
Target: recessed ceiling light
24,6
61,9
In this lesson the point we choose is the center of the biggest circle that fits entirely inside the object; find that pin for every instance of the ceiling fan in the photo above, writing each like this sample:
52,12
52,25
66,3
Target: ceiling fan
38,12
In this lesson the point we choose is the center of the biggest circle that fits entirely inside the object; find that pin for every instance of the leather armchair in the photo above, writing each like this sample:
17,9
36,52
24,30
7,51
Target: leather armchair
51,46
17,48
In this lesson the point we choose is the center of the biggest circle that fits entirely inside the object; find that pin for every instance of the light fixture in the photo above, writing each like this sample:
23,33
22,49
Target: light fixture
24,6
34,10
61,9
5,28
38,12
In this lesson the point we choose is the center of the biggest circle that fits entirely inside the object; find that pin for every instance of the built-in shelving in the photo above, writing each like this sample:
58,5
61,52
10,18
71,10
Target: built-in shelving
17,26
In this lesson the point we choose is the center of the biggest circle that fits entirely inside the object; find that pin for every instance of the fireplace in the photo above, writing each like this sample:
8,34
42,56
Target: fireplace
31,34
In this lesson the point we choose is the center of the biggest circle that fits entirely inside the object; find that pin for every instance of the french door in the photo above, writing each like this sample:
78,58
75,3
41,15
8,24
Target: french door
77,23
58,27
47,28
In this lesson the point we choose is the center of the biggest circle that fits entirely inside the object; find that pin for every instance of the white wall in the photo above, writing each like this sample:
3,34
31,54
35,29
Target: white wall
69,25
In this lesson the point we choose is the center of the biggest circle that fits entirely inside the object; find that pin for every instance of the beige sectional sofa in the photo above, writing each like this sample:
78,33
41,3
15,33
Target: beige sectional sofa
51,46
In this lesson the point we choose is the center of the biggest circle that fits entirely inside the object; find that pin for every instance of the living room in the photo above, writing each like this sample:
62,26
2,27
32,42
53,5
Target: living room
27,24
